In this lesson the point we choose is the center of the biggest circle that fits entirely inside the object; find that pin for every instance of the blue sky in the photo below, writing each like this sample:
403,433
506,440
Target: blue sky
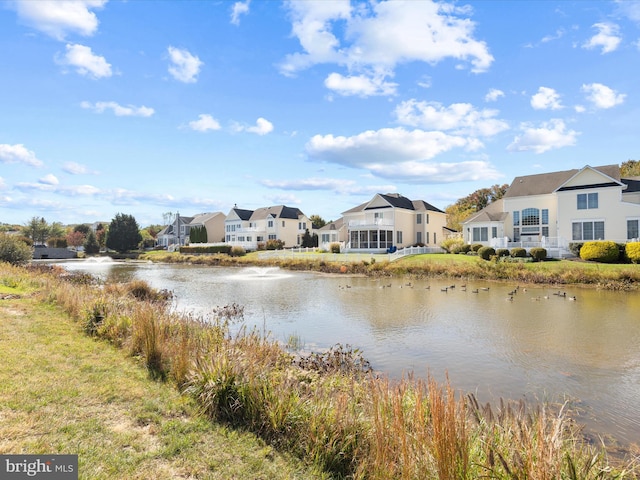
147,107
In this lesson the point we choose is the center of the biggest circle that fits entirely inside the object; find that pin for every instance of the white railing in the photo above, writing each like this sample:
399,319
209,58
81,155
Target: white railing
377,222
403,252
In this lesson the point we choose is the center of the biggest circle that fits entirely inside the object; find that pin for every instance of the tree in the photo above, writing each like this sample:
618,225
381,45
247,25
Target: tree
101,235
472,203
124,233
83,228
198,234
75,238
37,230
317,221
630,168
91,244
14,250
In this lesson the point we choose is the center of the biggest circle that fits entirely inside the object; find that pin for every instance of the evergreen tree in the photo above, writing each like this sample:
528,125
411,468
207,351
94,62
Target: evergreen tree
91,244
124,233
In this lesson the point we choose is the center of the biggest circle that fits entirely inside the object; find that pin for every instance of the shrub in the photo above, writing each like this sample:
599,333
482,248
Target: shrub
274,245
486,252
600,251
13,250
574,247
237,251
476,246
538,253
518,252
334,248
452,245
632,251
210,249
502,252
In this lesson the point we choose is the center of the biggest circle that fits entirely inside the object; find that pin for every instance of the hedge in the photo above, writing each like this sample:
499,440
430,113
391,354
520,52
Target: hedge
538,253
600,251
486,252
209,249
518,252
632,250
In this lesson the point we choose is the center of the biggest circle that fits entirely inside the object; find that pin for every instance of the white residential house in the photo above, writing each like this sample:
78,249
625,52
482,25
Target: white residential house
253,228
389,221
175,234
333,232
213,223
554,209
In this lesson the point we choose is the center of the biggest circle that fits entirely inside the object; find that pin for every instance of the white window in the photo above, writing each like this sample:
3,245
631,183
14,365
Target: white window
632,228
587,201
480,234
419,218
589,230
398,237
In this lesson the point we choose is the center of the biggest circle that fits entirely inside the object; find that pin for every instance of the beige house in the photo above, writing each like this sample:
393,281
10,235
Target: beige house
391,221
554,209
252,228
212,222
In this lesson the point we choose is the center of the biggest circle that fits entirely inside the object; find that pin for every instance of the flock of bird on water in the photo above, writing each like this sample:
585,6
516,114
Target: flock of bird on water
463,288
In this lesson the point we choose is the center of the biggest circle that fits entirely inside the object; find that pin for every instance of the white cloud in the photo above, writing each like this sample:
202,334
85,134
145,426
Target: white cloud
401,154
330,184
550,135
493,95
119,110
184,66
85,61
239,8
18,154
49,179
460,118
204,123
602,96
57,18
359,85
546,99
3,185
607,38
262,127
77,169
379,36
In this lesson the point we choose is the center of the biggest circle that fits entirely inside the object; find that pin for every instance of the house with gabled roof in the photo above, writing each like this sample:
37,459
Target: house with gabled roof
252,228
554,209
212,222
333,232
390,221
175,234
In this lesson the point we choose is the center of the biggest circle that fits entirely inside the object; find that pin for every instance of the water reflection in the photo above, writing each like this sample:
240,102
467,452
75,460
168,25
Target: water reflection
539,345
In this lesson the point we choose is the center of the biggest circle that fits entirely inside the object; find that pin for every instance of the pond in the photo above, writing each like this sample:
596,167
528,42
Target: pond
497,340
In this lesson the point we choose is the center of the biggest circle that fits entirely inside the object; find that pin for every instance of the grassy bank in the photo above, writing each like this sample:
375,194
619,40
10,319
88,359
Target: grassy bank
327,409
64,392
553,272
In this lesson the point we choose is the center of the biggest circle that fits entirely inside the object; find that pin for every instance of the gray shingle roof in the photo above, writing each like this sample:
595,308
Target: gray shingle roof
278,211
544,183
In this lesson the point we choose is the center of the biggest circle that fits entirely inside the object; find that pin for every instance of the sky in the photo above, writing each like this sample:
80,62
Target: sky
147,107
